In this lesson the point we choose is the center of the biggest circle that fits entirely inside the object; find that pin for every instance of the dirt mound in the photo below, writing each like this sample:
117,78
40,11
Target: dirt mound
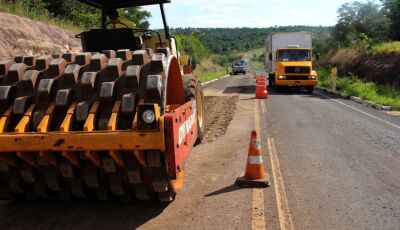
22,36
382,69
219,113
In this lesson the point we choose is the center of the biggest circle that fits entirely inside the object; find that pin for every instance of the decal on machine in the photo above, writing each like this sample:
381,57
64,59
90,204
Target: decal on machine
185,128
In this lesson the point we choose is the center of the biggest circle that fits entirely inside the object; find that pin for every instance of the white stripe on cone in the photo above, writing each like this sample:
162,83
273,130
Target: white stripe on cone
255,160
256,144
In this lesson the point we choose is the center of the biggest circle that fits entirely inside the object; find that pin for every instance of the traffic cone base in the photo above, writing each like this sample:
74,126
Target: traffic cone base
246,183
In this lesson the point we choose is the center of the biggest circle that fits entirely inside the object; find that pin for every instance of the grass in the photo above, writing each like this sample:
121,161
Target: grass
208,76
208,70
387,47
255,63
37,15
353,86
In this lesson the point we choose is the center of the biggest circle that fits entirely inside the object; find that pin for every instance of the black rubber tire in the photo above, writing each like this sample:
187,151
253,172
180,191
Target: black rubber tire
310,89
194,89
271,80
279,89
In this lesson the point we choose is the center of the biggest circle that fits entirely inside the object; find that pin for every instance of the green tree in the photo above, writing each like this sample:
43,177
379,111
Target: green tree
83,15
361,18
392,11
192,46
138,16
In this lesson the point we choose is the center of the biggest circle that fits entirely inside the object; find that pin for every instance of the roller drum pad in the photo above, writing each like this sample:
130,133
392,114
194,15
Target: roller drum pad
69,57
140,57
16,72
98,62
21,105
63,97
114,69
71,74
5,92
29,60
125,55
45,90
83,58
109,53
43,62
129,102
37,117
88,82
82,111
4,66
107,92
29,80
153,88
18,59
57,67
132,76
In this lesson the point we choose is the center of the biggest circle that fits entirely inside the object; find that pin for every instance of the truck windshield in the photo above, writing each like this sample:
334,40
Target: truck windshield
294,55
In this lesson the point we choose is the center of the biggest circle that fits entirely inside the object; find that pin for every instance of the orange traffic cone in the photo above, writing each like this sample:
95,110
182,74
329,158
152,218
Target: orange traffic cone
261,91
261,80
254,175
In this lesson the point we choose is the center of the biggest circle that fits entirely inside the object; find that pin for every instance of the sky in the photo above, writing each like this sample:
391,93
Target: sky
247,13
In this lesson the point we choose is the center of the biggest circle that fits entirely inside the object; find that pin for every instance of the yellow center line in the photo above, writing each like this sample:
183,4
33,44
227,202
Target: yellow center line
285,216
258,221
263,107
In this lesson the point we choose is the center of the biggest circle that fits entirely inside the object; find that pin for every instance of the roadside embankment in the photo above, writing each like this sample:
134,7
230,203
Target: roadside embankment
381,68
372,76
207,70
22,36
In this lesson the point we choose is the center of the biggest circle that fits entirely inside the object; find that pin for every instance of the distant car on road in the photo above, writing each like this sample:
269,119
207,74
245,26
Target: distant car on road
239,67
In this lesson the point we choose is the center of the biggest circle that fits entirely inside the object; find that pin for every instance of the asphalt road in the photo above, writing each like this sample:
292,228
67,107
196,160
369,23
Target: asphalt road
330,167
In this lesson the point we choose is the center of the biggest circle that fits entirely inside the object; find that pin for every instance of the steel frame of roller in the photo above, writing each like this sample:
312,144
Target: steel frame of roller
113,124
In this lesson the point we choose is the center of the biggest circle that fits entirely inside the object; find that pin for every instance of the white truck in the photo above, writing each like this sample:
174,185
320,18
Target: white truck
289,60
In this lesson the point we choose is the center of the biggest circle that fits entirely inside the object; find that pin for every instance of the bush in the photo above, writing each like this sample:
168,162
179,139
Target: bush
388,47
353,86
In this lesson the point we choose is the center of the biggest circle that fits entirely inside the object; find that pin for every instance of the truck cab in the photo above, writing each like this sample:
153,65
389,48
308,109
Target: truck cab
291,65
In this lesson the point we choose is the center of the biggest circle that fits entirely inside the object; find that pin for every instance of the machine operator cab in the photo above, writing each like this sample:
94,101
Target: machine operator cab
116,34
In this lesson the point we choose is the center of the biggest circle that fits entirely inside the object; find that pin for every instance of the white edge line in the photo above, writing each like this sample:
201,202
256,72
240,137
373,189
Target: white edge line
362,112
208,82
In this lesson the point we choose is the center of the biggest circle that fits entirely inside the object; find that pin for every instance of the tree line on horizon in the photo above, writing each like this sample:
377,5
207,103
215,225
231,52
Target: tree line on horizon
360,24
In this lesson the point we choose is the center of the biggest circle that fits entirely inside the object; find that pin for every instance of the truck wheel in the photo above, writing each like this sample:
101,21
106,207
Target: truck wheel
310,89
194,89
271,80
278,88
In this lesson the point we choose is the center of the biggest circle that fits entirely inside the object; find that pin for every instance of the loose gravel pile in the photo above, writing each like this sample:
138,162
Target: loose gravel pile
219,112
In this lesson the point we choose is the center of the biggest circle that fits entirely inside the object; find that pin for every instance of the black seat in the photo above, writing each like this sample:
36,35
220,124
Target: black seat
97,40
